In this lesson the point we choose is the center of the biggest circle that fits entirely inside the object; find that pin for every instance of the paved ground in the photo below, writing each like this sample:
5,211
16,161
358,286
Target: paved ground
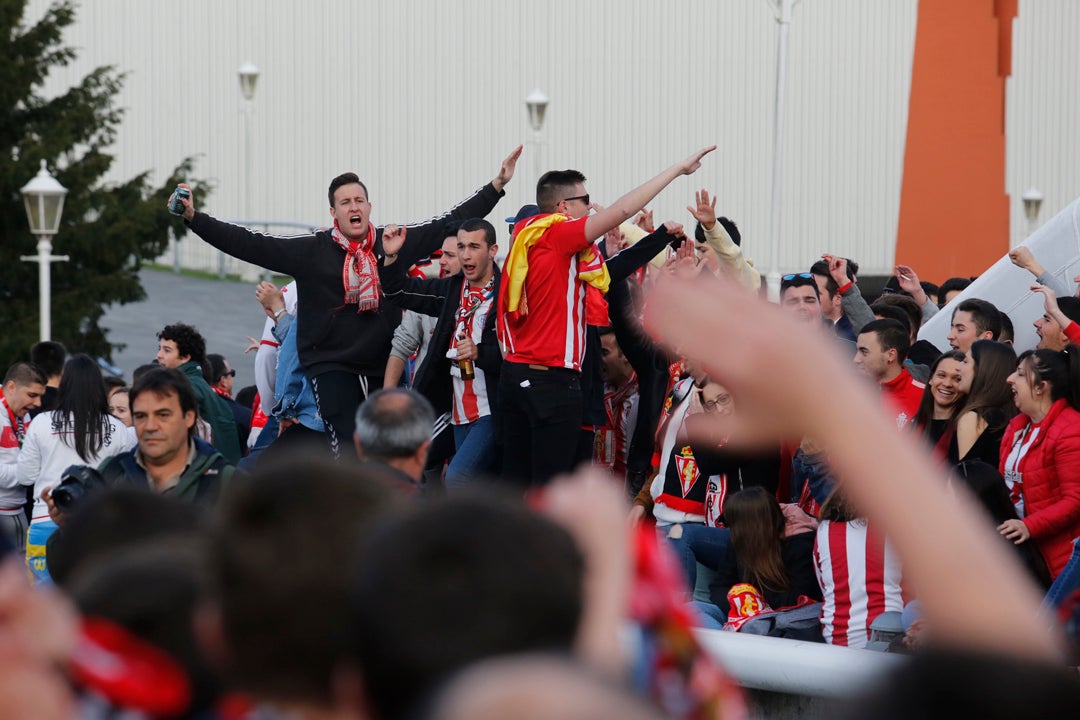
223,311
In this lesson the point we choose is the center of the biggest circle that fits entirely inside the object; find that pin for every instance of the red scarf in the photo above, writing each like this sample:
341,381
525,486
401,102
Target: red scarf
17,425
360,274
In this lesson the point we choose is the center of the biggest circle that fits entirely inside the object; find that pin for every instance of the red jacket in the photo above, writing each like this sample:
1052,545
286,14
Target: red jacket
902,396
1051,475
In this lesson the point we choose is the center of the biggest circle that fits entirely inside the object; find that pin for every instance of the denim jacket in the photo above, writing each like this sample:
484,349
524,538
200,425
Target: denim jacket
294,398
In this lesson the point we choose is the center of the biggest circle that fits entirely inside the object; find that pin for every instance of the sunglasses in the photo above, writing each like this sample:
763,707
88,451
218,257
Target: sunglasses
792,276
583,198
231,373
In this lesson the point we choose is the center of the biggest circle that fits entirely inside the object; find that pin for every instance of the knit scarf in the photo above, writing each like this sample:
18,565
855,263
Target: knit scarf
591,266
360,274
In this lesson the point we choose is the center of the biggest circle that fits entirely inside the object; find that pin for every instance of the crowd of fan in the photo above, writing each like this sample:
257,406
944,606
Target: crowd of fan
319,547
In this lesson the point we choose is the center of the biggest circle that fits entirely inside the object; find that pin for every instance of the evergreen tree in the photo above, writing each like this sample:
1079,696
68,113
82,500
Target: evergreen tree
107,230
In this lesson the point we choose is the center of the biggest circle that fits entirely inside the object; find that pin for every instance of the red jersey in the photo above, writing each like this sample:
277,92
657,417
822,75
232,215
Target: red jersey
549,327
903,395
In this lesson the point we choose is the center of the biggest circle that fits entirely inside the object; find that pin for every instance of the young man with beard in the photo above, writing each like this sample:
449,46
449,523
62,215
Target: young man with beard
343,328
460,372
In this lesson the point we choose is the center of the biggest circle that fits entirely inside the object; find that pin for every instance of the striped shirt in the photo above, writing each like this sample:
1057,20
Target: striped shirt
551,331
470,396
859,576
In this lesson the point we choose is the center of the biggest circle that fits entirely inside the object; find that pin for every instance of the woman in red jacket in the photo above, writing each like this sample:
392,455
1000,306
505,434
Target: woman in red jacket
1040,454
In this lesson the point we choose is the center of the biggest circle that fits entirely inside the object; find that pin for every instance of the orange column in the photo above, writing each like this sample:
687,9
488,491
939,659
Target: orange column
954,212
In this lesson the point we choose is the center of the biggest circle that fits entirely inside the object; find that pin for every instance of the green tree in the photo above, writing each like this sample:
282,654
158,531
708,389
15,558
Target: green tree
108,230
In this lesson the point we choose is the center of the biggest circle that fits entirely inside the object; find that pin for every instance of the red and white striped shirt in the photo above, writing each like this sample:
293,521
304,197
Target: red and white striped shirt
552,330
859,575
470,396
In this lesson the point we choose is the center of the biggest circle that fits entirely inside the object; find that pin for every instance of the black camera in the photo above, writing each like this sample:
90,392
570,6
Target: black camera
75,483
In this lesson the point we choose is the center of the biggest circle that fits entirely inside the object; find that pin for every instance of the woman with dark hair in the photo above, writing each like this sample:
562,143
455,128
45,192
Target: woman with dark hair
780,568
989,407
1040,454
941,401
80,431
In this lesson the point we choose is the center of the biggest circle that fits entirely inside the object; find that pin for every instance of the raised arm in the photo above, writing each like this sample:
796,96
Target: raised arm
629,204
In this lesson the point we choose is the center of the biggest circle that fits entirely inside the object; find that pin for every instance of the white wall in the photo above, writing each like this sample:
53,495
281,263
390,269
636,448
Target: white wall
423,98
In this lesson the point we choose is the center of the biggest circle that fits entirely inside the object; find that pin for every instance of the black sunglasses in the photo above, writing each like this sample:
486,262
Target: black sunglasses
583,198
231,373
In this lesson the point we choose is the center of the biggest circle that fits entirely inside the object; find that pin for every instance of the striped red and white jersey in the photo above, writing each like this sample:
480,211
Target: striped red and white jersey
859,574
470,396
551,330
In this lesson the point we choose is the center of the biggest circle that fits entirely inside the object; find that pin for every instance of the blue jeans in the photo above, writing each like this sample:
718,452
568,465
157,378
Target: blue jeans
1067,582
709,615
475,453
697,545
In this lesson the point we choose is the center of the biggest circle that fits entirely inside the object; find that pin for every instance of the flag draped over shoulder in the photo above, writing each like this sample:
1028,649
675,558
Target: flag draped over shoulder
591,266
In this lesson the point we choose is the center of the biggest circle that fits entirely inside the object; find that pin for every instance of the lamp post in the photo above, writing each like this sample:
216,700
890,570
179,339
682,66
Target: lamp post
536,104
1032,203
248,75
44,200
782,10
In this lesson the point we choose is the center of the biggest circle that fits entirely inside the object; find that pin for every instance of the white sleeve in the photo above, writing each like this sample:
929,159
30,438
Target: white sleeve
266,367
29,467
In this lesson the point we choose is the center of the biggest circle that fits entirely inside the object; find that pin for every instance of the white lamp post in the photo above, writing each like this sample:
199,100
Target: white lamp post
782,9
536,104
44,200
249,76
1032,203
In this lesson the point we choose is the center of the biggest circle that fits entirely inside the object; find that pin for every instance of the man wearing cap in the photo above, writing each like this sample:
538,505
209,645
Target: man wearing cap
541,317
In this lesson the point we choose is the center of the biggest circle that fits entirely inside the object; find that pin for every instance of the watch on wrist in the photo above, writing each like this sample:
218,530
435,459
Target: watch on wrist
278,314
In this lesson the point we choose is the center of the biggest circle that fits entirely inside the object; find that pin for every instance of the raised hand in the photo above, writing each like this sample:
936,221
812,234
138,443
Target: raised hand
692,163
703,210
909,283
1022,257
1050,304
644,220
837,268
393,239
506,171
269,297
188,203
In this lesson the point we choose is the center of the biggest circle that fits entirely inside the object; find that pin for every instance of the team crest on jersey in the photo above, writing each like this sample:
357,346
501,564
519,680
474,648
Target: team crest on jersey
686,466
901,421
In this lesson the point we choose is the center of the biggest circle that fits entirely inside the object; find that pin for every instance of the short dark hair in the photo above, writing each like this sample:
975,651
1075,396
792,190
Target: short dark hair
799,281
552,187
984,315
474,224
164,382
112,382
348,178
393,423
892,312
891,335
1070,307
1008,333
905,303
188,340
510,579
958,284
280,556
49,356
217,367
24,373
821,269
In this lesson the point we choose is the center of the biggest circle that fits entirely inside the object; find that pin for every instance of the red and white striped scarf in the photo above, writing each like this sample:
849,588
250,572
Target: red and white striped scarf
360,274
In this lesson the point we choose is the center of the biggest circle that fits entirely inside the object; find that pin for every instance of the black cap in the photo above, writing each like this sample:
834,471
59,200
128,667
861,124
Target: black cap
526,211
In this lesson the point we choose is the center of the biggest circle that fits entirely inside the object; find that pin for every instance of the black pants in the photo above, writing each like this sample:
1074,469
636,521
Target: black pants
338,394
540,416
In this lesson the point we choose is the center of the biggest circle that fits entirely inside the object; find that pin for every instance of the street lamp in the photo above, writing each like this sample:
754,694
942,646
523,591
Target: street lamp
44,200
536,103
249,76
1032,203
782,10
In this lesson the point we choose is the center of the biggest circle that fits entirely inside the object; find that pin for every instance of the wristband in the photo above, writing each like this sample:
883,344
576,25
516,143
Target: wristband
278,314
844,288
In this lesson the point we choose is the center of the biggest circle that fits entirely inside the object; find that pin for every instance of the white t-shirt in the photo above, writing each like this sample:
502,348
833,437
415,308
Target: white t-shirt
46,454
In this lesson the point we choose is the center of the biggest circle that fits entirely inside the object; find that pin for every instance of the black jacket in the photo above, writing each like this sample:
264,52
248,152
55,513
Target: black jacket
329,334
441,298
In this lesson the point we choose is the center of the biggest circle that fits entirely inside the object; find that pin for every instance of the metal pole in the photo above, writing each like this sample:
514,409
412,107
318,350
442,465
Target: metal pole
783,19
44,250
